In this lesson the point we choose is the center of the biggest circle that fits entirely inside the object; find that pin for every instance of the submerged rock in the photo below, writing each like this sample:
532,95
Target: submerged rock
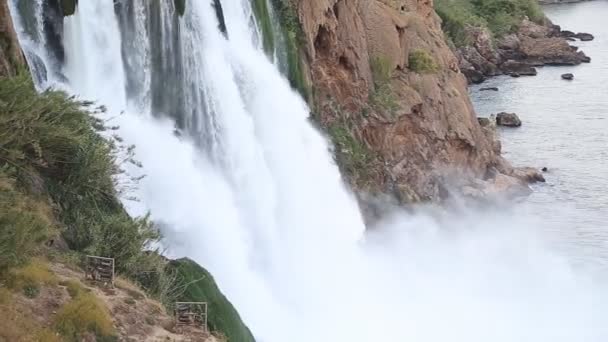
568,77
528,174
508,119
489,89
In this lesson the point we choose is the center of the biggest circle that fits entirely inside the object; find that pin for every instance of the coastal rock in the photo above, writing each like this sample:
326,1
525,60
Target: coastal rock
508,119
568,77
520,68
585,37
551,51
528,174
567,34
488,89
516,54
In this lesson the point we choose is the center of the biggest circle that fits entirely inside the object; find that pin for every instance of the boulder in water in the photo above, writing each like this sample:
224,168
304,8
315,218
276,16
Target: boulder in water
528,174
568,77
489,89
508,119
585,37
567,34
474,76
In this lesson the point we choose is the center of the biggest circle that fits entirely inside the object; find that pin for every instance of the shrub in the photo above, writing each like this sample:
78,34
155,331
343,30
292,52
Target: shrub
31,277
74,288
84,314
422,62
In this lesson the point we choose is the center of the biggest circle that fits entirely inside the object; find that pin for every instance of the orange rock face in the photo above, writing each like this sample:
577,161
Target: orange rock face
430,139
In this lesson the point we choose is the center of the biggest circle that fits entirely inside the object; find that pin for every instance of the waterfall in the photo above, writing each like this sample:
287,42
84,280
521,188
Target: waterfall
243,184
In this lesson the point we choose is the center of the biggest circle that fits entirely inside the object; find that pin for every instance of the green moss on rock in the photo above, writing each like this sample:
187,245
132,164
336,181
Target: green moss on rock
69,7
264,21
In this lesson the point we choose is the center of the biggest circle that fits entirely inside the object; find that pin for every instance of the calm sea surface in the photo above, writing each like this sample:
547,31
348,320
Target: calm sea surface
566,130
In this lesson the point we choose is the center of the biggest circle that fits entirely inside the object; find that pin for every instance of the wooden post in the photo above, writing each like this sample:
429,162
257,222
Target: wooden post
191,314
100,270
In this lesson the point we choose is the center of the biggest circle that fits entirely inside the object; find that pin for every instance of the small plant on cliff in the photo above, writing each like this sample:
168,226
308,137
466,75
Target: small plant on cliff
422,62
351,154
382,98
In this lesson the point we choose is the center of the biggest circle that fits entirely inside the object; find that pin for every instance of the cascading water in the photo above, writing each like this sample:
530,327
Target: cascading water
245,186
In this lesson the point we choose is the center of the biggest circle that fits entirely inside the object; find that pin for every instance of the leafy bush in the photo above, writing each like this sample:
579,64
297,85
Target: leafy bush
85,314
422,62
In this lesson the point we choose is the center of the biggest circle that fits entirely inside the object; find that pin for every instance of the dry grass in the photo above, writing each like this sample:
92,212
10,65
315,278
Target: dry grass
31,277
84,314
74,287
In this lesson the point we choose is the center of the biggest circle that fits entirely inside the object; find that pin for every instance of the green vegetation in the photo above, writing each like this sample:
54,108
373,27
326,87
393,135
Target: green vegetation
85,314
382,98
200,286
421,61
69,7
57,174
499,16
352,155
30,278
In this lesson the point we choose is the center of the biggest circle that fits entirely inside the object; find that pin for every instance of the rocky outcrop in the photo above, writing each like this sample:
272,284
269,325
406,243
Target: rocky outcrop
508,119
11,56
519,53
417,131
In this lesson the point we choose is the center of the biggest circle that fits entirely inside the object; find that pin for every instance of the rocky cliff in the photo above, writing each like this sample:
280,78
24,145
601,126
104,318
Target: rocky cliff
10,52
390,92
517,54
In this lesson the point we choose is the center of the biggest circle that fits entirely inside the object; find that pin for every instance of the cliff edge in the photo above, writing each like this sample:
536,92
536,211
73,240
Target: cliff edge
390,92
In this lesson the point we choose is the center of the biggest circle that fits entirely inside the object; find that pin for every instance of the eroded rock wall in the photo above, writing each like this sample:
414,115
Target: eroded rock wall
429,142
11,56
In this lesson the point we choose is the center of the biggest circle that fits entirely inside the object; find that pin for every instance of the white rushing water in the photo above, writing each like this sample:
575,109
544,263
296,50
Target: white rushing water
251,192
